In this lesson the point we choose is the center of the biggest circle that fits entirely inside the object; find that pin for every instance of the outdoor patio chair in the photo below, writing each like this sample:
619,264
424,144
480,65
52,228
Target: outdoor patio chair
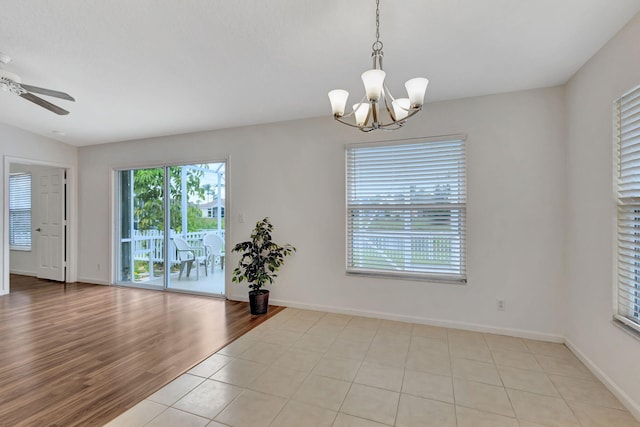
187,255
214,247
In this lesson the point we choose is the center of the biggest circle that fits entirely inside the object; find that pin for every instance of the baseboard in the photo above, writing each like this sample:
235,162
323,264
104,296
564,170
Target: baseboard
624,398
23,272
80,279
93,281
414,319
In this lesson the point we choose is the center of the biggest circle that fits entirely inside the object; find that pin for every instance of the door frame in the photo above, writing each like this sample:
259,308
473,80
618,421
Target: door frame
71,208
114,218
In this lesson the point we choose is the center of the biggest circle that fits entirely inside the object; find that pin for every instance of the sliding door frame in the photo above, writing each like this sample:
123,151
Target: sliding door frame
115,222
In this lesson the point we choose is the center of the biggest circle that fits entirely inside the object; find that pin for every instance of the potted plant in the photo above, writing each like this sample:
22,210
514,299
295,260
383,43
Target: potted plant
260,260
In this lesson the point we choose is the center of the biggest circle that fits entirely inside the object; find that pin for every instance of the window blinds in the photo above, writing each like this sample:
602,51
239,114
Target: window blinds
628,148
406,209
20,211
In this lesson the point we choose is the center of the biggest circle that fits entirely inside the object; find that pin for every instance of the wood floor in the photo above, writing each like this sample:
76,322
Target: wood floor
80,354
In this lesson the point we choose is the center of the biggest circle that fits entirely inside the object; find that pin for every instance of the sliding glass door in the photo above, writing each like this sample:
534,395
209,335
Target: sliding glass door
140,225
189,202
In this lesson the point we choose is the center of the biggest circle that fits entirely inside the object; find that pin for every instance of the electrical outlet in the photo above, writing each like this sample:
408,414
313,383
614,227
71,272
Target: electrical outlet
501,305
241,218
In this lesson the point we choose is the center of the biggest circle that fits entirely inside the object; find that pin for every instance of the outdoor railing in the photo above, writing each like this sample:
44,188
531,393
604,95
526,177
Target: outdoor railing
148,245
400,253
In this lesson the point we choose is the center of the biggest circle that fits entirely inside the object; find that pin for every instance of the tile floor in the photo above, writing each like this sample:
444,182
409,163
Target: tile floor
305,368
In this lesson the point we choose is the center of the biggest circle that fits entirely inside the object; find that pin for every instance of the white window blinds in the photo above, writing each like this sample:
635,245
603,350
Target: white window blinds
20,211
406,209
628,148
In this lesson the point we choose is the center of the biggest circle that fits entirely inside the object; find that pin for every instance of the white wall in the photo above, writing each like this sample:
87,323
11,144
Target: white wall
294,173
25,147
612,353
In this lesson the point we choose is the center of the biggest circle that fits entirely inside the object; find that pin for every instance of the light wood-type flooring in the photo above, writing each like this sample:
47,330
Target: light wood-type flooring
81,354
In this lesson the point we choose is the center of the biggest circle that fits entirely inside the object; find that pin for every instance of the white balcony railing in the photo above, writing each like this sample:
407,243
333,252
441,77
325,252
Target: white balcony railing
148,245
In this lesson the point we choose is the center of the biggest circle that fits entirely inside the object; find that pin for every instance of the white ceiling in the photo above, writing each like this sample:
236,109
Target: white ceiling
144,68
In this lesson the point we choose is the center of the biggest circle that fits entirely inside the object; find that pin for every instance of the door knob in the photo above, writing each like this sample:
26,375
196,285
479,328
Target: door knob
38,229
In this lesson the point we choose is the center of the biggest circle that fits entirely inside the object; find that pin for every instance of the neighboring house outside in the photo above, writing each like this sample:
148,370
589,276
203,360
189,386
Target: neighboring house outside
210,209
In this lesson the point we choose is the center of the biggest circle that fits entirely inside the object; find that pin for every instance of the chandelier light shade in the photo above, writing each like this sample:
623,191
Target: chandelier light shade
416,88
362,112
373,81
338,98
401,108
378,109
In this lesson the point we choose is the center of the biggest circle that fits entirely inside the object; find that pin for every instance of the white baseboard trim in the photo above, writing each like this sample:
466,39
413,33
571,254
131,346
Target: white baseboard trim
93,281
519,333
624,398
23,272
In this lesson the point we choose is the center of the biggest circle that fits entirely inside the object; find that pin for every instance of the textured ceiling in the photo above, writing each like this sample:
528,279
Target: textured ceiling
144,68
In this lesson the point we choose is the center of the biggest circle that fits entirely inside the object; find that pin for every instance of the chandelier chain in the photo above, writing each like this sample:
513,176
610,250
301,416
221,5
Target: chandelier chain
377,45
377,20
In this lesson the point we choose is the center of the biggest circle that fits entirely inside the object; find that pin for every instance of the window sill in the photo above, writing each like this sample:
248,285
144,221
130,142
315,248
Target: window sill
626,328
20,248
411,277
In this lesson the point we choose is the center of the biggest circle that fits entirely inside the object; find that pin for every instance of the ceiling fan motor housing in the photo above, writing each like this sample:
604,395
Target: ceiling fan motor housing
10,82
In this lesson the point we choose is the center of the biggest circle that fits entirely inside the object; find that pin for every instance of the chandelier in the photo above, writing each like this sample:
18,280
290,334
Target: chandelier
368,114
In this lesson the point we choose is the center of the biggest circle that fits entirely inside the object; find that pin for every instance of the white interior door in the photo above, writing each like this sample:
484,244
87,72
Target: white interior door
50,224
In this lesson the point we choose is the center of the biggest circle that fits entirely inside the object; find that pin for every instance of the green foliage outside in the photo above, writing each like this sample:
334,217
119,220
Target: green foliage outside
204,223
149,194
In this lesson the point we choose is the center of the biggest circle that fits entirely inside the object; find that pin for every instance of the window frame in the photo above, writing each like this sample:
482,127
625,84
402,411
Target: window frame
408,209
12,245
629,204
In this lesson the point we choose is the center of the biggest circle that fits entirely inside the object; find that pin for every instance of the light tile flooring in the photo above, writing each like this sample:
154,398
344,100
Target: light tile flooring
306,368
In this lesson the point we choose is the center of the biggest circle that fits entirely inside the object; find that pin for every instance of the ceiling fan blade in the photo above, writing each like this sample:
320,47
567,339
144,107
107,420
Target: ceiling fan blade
44,104
48,92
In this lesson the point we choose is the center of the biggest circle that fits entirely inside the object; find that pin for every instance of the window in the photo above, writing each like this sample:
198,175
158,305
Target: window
20,211
406,209
213,212
627,129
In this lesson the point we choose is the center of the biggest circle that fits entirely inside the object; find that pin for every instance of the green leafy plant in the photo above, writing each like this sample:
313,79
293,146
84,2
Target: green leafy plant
261,257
